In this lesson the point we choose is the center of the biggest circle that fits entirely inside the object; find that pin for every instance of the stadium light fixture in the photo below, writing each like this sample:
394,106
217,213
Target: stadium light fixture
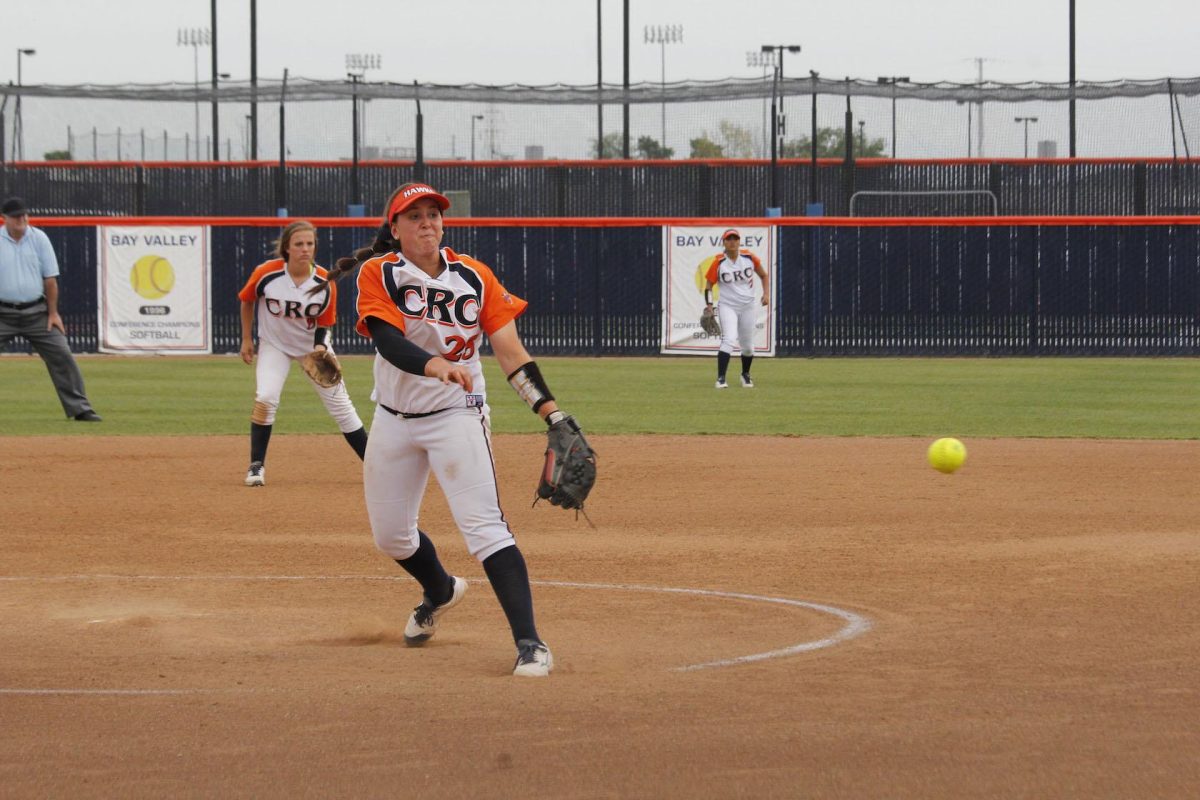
777,113
195,38
663,35
357,65
766,61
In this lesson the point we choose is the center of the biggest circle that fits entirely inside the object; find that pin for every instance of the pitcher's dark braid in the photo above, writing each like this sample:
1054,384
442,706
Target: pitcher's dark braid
384,243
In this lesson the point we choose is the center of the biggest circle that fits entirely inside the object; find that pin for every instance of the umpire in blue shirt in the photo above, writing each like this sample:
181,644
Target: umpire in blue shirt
29,305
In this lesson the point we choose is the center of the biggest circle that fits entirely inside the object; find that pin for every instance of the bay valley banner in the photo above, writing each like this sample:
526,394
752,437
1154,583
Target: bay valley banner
688,252
154,289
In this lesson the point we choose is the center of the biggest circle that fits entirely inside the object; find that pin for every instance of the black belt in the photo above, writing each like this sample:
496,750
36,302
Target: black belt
22,306
405,415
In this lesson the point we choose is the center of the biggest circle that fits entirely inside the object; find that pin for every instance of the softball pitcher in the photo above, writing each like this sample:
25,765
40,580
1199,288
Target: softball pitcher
296,306
734,270
426,310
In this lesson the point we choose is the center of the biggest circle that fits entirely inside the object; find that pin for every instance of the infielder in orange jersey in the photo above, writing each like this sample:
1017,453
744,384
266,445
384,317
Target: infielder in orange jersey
296,306
427,309
737,310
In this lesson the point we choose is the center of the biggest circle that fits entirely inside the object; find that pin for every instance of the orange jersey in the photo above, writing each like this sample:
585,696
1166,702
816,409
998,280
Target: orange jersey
446,316
287,313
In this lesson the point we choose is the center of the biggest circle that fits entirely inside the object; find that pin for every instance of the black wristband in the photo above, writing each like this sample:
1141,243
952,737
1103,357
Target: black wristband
321,337
708,295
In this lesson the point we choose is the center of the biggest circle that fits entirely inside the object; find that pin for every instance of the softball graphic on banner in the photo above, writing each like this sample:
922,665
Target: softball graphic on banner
154,289
688,252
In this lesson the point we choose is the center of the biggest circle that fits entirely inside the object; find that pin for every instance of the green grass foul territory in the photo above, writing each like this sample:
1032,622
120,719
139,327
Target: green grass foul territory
1128,398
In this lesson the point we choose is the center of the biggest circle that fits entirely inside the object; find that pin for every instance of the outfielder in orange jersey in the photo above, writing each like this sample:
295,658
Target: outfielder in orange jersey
427,309
296,306
733,271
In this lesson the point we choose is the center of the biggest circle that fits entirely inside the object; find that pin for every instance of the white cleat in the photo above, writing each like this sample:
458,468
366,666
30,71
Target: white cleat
423,622
256,475
721,384
533,659
747,383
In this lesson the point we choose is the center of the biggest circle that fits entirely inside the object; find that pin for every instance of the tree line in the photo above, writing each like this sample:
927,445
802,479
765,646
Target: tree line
731,140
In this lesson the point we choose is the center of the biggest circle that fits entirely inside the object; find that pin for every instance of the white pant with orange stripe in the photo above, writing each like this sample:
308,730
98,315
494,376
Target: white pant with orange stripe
456,445
271,371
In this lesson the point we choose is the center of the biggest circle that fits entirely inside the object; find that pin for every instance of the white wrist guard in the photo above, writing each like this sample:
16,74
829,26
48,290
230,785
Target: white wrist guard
530,385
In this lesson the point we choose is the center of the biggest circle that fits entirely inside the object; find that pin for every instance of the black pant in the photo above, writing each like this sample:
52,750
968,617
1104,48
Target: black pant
52,346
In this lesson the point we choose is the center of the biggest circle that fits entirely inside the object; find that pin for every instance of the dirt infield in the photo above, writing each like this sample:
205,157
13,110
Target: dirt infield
1028,627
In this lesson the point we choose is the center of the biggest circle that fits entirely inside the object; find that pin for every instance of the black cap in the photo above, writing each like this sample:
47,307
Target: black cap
13,207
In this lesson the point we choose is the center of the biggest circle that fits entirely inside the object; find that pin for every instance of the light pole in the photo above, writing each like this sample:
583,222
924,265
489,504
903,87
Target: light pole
195,38
473,118
18,123
357,65
776,115
893,80
663,35
1026,120
766,61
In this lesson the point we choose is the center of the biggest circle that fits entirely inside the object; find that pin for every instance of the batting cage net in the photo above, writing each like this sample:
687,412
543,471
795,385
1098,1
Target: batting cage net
690,119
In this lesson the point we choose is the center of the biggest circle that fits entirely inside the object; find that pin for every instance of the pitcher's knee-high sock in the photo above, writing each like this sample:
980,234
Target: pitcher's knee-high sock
509,577
425,566
746,362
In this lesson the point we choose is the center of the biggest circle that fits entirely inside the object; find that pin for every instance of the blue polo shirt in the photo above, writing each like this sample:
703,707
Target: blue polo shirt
24,265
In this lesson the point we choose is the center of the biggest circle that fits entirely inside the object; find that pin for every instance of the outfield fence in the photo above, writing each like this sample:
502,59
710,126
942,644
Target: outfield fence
953,286
871,187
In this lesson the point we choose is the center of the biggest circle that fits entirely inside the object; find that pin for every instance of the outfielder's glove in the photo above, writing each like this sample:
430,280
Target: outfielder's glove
709,321
323,367
570,469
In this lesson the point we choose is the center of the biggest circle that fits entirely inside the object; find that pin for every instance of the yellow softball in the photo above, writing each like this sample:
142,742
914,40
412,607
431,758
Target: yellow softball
947,455
152,277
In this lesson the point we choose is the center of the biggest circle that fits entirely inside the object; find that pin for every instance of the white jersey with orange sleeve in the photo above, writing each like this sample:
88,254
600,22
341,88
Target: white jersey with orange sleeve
287,314
735,278
447,316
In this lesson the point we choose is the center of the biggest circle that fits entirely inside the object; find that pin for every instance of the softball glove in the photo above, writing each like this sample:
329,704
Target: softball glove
709,321
323,368
570,468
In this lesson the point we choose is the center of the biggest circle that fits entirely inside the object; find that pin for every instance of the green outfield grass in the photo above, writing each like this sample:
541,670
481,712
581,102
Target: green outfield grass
1049,397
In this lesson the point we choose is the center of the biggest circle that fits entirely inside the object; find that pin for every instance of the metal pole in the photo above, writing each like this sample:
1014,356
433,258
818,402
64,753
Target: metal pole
18,132
812,172
663,85
253,80
893,120
216,139
625,105
774,140
473,118
599,83
281,181
196,103
354,138
1072,75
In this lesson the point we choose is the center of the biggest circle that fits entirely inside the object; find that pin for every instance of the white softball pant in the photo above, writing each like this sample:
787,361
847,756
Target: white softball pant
737,321
271,371
456,445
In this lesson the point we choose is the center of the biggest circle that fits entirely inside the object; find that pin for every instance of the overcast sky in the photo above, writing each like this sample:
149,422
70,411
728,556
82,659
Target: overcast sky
545,41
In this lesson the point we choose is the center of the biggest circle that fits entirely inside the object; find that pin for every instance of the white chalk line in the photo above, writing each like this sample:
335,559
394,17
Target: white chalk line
855,626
